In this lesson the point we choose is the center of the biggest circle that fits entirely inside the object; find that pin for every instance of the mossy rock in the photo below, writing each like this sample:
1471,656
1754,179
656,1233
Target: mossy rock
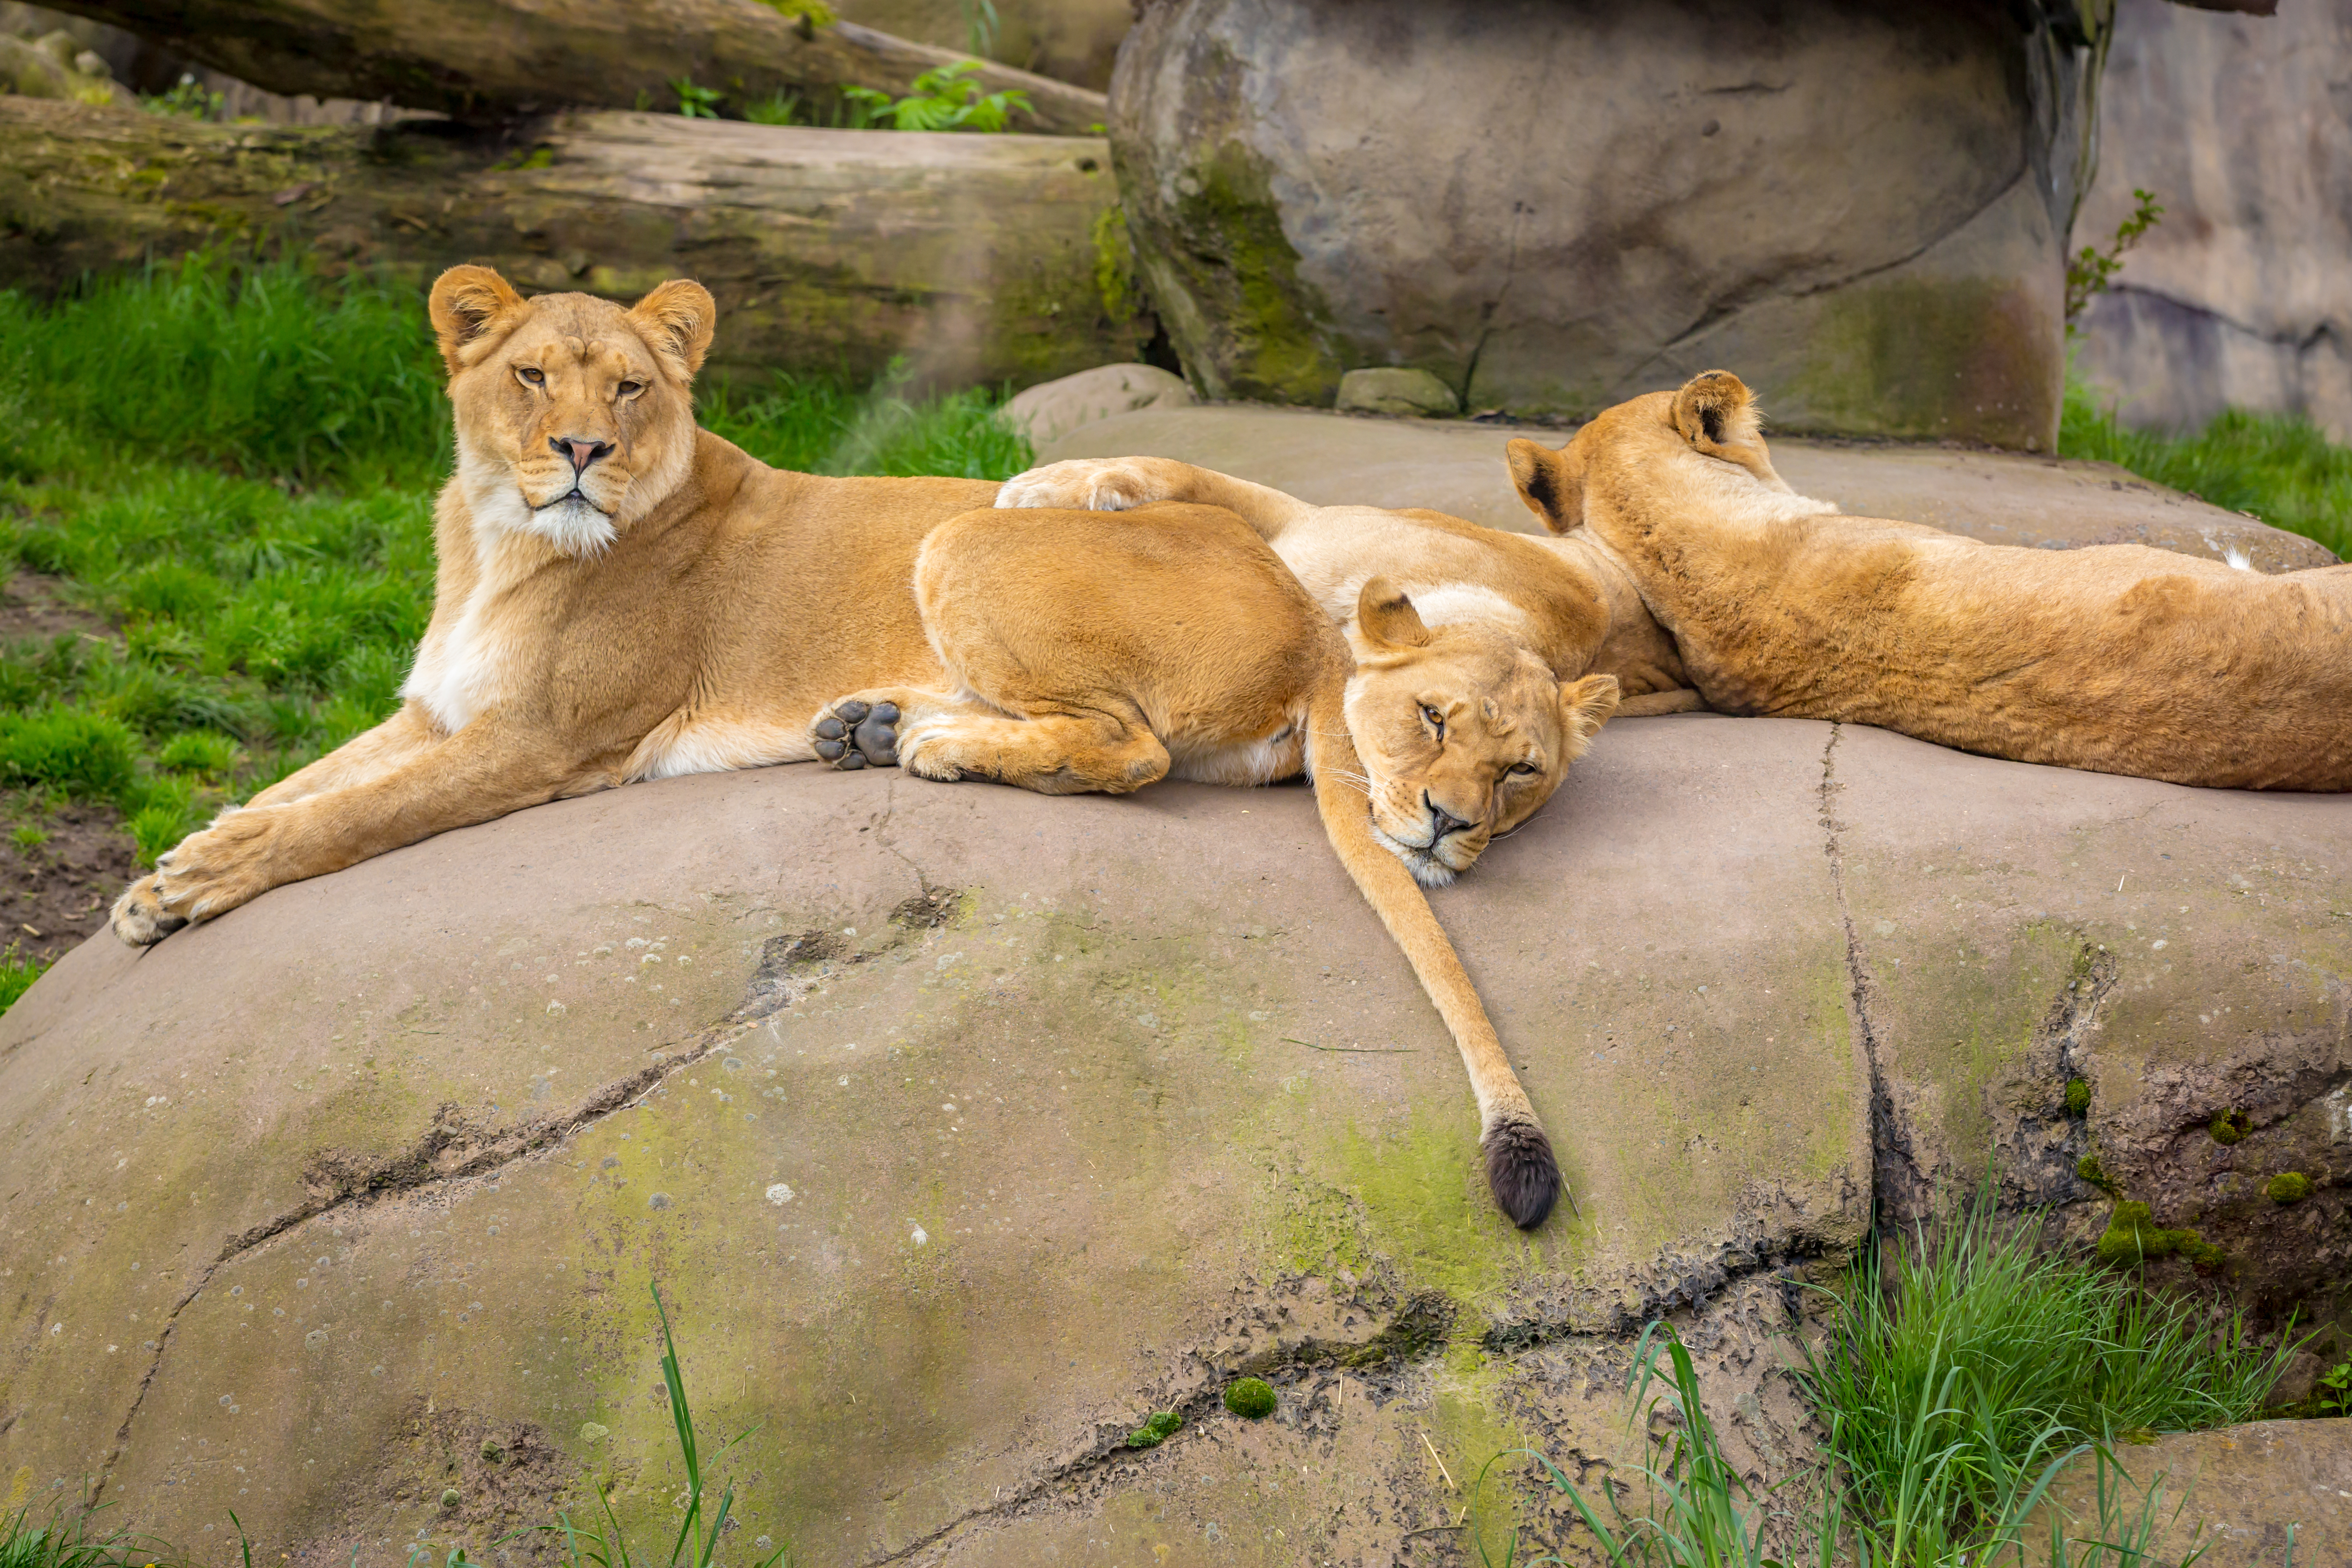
2287,1187
2230,1127
1156,1431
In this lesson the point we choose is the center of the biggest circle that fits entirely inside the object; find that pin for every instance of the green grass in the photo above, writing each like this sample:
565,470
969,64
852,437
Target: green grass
232,466
1954,1378
2278,467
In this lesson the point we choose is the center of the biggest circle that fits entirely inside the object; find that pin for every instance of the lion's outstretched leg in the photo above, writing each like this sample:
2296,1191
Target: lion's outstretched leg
1521,1170
1118,484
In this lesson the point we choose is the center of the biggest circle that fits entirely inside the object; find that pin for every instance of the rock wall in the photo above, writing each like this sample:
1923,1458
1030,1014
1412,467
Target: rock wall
2243,296
1553,206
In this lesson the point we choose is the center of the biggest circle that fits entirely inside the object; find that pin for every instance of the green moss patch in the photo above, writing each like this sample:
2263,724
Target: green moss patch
2231,1126
1251,1398
2287,1187
1157,1430
2133,1236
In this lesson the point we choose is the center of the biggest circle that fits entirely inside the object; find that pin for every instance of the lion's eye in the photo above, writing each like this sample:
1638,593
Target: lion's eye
629,388
531,377
1435,720
1524,770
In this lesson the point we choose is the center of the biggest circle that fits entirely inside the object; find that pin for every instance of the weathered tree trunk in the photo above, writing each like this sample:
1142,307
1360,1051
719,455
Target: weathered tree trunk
972,256
490,59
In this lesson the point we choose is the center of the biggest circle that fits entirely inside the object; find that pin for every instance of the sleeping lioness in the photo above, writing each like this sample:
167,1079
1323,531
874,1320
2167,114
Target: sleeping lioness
623,595
2116,657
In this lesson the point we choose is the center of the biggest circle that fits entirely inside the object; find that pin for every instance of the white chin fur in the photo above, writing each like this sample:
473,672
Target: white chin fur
1428,870
572,526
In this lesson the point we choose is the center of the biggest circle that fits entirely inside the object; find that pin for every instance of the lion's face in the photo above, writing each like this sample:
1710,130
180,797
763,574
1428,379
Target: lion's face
575,417
1462,733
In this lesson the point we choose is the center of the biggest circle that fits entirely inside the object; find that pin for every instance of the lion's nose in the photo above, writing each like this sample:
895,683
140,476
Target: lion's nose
1440,821
581,452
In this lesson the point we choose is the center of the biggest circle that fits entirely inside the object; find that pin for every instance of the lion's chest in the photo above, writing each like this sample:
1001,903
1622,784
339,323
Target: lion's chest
467,669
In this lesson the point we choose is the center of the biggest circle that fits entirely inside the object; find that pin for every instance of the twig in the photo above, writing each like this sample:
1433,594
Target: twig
1356,1050
1441,1463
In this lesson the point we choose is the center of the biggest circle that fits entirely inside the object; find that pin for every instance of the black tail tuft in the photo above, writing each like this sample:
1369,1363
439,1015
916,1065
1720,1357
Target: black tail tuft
1521,1172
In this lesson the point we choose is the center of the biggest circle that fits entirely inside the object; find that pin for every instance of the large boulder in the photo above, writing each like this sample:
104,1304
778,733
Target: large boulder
1552,207
964,1128
2242,126
1456,465
972,257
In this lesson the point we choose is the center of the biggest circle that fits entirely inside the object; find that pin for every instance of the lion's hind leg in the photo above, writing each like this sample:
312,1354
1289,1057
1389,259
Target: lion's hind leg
1051,753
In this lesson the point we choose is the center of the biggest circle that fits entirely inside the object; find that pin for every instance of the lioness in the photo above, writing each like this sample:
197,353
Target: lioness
620,596
2115,659
1569,612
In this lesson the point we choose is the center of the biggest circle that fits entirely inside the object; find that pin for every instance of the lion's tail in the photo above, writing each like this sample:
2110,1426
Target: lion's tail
1520,1169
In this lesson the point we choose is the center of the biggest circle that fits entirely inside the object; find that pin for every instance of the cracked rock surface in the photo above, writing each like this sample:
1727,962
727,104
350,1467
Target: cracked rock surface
965,1129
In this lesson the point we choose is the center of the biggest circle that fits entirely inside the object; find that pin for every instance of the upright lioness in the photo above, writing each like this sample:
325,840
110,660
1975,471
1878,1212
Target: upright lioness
624,596
2116,657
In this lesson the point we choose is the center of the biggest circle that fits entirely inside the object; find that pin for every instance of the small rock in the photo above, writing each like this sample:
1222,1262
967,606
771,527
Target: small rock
1054,408
1397,389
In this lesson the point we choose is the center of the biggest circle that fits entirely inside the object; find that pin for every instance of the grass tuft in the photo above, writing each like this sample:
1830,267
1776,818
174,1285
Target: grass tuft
2278,468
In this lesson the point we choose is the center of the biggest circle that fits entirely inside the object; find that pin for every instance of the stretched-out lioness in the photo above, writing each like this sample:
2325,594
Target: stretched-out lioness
2115,659
622,595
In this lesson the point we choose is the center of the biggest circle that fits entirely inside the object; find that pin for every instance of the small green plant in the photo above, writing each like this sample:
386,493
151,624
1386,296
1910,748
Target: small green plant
17,973
980,26
2078,1096
188,99
2091,1171
696,1542
942,99
1156,1431
696,102
2331,1391
2230,1127
2092,269
29,836
198,752
2287,1187
1251,1398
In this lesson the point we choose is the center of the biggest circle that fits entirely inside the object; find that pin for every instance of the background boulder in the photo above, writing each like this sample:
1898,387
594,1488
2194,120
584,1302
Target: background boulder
1552,207
2241,296
965,1128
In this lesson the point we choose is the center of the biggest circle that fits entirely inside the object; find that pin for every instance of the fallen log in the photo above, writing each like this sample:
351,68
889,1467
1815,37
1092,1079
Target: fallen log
972,256
493,58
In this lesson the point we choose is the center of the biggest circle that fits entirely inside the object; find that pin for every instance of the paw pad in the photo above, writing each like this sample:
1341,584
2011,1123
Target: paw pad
852,735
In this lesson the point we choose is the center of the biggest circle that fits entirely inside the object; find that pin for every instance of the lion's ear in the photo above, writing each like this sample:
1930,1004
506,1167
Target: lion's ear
1387,618
1546,485
1715,410
678,319
1585,705
472,307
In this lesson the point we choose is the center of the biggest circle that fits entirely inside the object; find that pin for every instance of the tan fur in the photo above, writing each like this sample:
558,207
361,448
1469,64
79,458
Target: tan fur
674,605
2116,658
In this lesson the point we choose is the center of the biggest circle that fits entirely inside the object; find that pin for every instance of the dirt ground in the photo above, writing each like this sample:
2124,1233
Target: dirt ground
55,894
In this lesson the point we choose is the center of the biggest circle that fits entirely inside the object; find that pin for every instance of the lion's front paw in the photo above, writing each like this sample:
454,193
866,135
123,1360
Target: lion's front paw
853,732
1084,484
140,918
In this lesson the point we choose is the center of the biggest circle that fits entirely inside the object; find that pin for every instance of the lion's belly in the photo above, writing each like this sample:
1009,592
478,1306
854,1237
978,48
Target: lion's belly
1280,755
